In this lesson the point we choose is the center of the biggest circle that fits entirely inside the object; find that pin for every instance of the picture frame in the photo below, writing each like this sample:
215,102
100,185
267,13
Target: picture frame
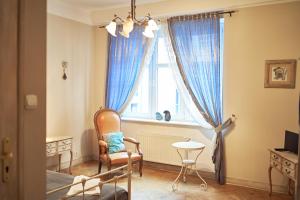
280,73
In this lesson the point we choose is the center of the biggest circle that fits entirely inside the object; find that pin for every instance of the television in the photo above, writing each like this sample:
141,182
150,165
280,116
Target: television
291,141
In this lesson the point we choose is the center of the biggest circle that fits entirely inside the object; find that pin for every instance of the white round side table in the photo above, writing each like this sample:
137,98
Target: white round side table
188,163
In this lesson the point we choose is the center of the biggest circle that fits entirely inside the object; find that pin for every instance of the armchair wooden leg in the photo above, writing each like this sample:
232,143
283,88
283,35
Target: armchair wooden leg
99,166
108,169
141,167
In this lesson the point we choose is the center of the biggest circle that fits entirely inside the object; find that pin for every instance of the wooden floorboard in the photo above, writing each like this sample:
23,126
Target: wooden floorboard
156,184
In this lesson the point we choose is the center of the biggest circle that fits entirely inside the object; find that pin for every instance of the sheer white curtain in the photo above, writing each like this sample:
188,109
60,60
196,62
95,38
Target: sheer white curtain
179,81
149,46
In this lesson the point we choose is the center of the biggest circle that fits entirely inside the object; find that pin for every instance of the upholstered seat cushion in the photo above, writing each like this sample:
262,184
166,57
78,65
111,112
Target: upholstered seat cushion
121,157
115,141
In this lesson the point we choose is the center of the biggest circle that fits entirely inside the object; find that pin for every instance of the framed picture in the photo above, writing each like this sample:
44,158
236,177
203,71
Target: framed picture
280,73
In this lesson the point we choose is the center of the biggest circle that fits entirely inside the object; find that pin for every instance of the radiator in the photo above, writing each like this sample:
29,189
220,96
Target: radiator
158,148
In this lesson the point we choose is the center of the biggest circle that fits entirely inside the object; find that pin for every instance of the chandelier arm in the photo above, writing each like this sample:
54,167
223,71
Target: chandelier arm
119,18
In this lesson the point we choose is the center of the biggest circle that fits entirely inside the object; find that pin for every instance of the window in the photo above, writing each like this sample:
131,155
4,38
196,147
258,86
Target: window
158,91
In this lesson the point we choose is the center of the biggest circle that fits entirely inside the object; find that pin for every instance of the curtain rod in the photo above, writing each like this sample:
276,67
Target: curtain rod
230,12
226,12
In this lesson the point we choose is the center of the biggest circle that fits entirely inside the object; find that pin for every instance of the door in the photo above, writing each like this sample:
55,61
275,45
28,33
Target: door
22,99
8,99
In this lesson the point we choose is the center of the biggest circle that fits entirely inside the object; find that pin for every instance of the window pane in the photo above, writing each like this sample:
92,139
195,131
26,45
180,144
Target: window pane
167,94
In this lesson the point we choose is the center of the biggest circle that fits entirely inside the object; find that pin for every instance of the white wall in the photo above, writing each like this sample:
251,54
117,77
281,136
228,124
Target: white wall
68,101
98,81
252,36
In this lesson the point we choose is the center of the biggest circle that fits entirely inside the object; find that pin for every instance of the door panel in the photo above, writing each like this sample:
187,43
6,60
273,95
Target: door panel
8,93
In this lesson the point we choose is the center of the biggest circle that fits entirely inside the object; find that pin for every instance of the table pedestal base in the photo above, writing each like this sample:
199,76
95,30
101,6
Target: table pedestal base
183,171
188,164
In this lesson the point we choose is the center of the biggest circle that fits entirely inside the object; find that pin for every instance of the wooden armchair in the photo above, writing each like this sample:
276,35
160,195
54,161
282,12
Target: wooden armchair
106,121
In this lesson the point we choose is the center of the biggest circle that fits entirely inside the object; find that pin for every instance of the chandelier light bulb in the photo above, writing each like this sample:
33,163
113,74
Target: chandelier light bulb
111,28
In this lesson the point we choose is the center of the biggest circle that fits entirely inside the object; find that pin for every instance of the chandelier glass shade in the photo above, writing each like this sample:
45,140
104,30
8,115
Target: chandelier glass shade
128,24
148,32
111,28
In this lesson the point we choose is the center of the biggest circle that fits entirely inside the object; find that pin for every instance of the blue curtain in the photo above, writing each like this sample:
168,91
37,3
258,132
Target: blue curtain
125,57
196,43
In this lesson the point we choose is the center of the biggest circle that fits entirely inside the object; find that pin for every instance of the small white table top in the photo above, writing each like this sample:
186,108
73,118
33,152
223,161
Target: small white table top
190,145
57,138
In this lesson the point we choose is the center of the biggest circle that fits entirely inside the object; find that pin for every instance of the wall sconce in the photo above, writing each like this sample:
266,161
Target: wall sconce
64,65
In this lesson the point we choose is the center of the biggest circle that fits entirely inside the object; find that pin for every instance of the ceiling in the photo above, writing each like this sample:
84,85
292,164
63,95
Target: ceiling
95,12
104,4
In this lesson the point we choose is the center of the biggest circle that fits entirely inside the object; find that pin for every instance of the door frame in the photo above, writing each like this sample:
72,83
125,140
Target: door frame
32,29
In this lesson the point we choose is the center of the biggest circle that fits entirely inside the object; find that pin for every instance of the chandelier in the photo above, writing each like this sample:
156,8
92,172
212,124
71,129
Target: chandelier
128,24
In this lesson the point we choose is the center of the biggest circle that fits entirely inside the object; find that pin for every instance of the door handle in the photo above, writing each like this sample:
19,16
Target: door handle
6,158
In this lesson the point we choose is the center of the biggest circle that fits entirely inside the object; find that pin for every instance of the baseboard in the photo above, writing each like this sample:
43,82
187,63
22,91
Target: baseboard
256,185
94,157
229,180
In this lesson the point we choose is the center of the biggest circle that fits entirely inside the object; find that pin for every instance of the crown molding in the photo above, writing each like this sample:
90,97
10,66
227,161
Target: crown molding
125,5
261,3
68,11
167,8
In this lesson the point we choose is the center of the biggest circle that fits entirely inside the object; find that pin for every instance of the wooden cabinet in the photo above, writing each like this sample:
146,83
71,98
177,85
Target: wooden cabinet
56,146
286,163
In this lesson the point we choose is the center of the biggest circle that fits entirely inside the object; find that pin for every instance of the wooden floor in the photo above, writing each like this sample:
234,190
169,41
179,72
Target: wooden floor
156,184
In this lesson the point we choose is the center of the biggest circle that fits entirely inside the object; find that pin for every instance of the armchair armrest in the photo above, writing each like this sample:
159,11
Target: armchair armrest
102,143
103,147
131,140
134,141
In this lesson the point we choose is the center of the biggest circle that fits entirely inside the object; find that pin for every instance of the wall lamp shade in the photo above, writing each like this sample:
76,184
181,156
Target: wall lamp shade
111,28
148,32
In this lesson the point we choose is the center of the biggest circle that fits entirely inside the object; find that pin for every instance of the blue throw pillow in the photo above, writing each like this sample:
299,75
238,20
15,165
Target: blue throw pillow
114,141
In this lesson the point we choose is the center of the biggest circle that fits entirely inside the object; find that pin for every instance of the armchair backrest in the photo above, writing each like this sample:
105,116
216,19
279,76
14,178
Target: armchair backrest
106,121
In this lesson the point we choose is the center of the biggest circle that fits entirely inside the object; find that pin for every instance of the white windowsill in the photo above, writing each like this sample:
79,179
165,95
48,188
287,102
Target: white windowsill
161,122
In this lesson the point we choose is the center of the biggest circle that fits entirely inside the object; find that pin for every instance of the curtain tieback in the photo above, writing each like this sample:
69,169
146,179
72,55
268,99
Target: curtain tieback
227,123
218,129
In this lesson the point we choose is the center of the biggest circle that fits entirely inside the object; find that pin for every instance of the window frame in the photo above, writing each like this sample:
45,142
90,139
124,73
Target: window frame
153,99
